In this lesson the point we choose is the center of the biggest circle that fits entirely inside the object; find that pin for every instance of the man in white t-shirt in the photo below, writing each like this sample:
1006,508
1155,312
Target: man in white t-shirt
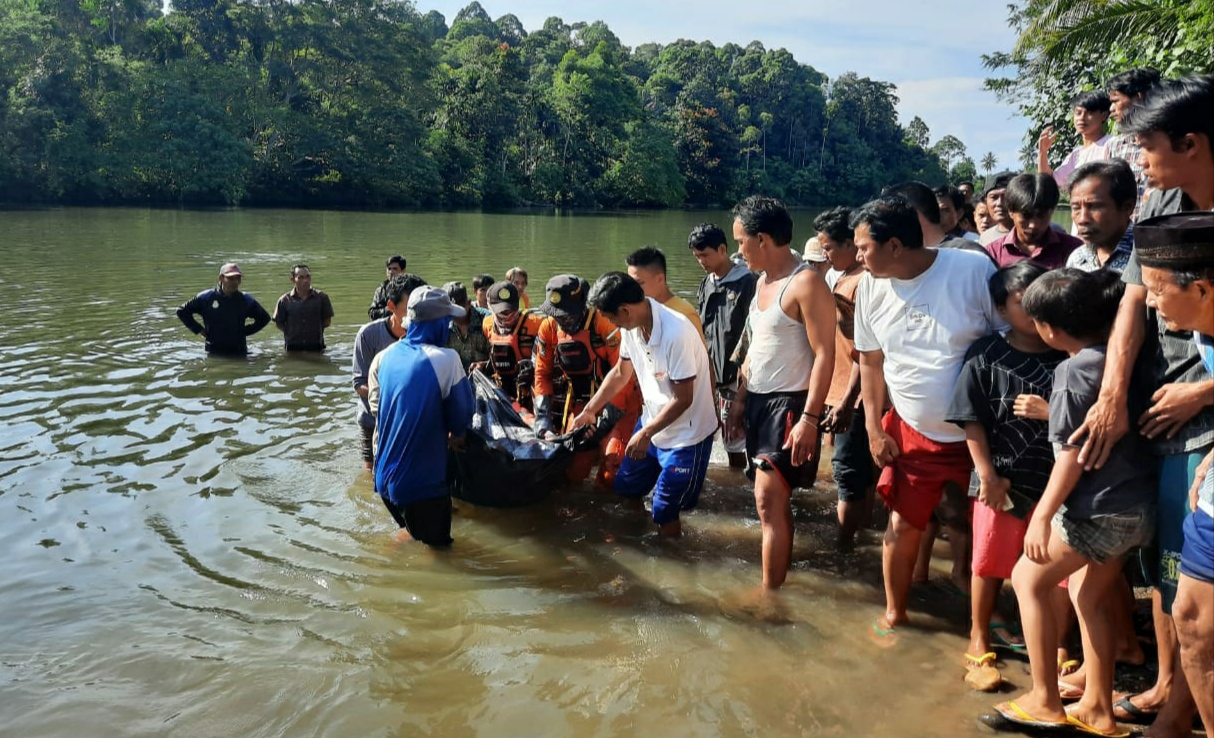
917,312
670,448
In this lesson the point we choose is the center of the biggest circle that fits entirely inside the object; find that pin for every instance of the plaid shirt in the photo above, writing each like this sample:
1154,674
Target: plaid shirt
1126,147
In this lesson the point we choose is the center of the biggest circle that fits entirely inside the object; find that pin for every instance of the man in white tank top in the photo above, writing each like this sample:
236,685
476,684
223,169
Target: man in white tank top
786,374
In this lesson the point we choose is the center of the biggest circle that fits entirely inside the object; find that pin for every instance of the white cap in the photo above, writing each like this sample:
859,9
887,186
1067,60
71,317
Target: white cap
813,251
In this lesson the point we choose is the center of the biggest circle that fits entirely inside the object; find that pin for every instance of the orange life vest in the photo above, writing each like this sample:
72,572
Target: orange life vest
580,357
507,350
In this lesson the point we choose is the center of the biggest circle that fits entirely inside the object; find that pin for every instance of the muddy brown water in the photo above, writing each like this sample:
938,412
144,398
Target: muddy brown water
192,548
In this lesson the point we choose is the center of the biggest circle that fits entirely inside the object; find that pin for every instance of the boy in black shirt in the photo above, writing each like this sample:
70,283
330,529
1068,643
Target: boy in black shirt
1012,454
1086,521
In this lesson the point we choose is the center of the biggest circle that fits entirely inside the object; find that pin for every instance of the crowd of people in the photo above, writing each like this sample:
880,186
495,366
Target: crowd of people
1043,399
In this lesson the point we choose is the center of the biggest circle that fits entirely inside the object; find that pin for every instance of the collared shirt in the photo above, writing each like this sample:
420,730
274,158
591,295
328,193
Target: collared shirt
1086,258
302,319
1127,149
1051,255
675,351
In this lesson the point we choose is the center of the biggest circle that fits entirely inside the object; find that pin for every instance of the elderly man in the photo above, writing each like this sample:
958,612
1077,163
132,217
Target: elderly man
225,313
1103,195
1177,259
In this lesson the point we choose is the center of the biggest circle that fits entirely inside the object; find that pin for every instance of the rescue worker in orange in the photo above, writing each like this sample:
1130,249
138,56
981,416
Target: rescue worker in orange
511,333
576,347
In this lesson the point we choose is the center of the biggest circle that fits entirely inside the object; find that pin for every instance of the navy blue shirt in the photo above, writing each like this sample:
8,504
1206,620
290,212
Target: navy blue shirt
225,318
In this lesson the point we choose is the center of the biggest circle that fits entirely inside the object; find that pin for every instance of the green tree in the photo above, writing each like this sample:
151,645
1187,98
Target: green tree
647,172
949,148
917,133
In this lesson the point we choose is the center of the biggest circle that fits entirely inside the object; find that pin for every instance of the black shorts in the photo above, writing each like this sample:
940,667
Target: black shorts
366,445
428,521
852,463
769,420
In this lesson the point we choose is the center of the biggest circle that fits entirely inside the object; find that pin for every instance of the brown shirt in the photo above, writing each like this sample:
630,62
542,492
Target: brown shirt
302,320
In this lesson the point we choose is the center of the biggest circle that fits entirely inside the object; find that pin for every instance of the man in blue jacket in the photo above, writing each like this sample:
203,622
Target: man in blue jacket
225,313
421,397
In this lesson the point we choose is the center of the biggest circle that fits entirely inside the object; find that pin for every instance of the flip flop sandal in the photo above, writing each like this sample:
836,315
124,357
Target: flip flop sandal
1016,715
1083,727
1137,715
882,633
999,640
980,672
1069,692
1068,667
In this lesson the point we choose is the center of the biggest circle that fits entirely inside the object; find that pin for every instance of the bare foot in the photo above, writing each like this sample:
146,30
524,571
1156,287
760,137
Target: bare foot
402,536
673,529
1037,708
1082,717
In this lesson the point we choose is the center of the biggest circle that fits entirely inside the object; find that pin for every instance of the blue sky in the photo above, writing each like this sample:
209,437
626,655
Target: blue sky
930,50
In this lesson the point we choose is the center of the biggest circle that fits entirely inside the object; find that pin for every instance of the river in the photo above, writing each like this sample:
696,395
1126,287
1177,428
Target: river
192,547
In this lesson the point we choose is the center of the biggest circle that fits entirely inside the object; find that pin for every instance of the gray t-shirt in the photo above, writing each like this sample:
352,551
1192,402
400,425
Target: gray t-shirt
1128,479
992,234
1177,360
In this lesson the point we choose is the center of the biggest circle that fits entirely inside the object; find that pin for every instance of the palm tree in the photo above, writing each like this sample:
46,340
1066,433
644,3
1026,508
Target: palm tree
1058,31
989,162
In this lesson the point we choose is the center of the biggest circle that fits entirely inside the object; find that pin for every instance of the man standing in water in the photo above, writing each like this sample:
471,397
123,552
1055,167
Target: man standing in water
373,338
786,373
394,267
918,310
225,312
671,444
724,300
304,313
420,397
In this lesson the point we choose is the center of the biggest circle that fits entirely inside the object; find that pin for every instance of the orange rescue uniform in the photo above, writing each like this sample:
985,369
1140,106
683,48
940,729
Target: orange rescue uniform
569,369
509,350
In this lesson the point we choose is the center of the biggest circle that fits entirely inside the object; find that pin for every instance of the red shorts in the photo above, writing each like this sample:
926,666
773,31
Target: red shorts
913,484
998,541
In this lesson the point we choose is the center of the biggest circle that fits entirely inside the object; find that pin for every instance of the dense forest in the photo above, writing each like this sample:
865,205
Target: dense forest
369,103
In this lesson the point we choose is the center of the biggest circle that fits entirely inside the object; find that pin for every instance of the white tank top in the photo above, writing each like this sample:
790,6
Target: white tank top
780,355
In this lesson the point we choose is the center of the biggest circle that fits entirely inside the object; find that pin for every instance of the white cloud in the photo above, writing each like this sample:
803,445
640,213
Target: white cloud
958,106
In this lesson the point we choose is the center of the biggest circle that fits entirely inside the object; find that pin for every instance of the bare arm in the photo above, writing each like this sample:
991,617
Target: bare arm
1044,142
1108,419
992,488
1063,479
872,390
817,308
